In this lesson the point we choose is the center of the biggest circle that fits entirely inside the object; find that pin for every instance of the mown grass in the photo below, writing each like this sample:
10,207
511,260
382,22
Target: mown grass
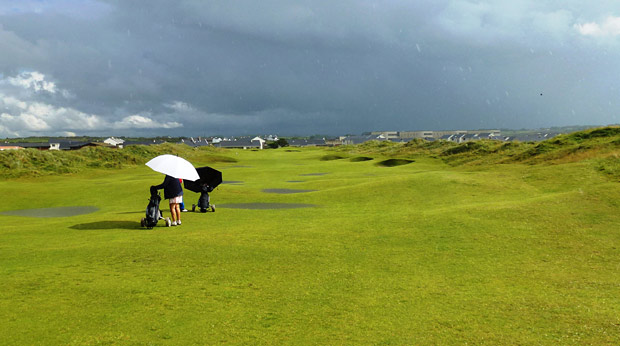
432,252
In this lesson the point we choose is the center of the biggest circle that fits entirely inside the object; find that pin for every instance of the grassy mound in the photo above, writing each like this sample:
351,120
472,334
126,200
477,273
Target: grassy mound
600,145
32,162
468,147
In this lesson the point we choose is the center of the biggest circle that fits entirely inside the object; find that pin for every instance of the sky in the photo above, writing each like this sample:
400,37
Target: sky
245,67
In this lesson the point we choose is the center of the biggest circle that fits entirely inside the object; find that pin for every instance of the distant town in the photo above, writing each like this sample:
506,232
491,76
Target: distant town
274,141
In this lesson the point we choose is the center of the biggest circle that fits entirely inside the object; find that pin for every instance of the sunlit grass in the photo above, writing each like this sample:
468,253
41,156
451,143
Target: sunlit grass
423,253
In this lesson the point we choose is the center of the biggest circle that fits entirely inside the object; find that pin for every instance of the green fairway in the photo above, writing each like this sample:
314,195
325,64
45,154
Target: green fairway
418,253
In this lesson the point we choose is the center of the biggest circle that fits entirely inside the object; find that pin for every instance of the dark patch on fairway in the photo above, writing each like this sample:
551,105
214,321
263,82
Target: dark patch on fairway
240,166
235,182
285,191
51,212
266,205
110,225
293,151
394,162
295,181
332,157
313,174
361,159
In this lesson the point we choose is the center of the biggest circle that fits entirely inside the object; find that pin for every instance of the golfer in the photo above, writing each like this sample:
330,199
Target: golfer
174,193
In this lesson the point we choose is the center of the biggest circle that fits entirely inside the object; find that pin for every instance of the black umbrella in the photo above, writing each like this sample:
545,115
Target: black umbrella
208,176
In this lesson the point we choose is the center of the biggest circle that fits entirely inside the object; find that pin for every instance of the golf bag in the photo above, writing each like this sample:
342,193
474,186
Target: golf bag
152,211
209,179
203,201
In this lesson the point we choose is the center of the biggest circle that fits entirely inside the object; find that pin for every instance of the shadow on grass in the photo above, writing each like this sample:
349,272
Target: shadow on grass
332,157
52,212
107,225
361,159
394,162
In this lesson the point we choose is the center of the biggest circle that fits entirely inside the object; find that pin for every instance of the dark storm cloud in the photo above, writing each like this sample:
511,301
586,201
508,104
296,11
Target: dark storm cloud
303,67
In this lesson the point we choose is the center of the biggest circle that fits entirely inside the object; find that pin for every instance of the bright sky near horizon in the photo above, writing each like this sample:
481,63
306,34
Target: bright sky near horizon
192,67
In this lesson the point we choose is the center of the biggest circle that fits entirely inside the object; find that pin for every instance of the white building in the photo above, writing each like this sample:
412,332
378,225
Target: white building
117,142
259,140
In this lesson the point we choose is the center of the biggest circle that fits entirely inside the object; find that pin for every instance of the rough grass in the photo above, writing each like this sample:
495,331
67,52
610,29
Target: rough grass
32,162
580,146
610,166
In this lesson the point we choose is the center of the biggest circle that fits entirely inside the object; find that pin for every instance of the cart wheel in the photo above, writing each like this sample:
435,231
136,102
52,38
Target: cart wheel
193,207
213,208
142,223
168,223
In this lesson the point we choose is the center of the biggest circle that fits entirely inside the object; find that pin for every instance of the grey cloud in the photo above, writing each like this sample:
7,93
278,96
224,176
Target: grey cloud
222,67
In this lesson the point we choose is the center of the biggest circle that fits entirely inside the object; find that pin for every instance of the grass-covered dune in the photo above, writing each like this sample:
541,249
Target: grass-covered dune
32,162
600,145
454,247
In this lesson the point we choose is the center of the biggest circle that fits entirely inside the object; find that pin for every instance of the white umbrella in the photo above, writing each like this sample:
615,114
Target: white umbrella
174,166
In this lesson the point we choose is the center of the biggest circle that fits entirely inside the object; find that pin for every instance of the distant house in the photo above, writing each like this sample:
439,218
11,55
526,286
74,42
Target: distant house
469,137
38,146
306,142
55,145
241,143
534,137
73,145
408,135
362,139
9,147
399,140
259,140
333,141
117,142
491,136
450,138
148,142
389,135
201,142
28,145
